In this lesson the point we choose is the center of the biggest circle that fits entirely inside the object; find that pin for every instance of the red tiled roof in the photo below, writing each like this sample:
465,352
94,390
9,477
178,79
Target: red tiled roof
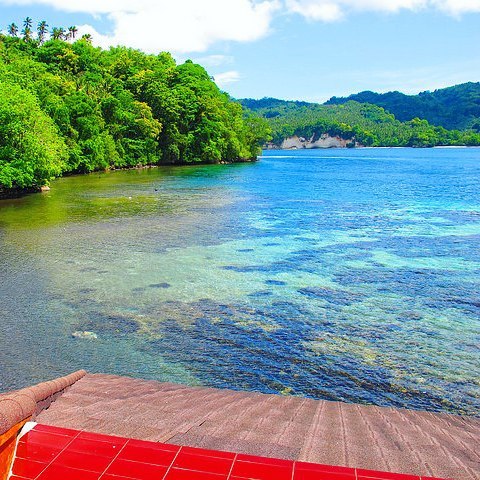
51,453
22,404
333,433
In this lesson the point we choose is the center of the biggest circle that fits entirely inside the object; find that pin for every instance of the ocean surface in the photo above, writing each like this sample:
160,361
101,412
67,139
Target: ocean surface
348,275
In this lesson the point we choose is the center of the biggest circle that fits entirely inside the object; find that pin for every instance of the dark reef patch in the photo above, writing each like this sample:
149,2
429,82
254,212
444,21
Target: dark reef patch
246,269
234,349
113,324
261,293
335,297
160,285
275,282
87,291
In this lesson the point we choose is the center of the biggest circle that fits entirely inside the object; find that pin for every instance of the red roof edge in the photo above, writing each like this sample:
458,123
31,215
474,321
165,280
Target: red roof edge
28,402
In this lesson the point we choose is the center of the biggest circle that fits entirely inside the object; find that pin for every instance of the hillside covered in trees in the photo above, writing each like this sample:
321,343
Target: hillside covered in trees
455,107
367,124
68,107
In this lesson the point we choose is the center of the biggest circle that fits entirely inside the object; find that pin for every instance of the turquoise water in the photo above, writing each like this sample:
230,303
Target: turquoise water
343,274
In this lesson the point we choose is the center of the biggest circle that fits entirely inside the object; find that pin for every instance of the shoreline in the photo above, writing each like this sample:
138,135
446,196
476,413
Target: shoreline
13,193
22,192
363,147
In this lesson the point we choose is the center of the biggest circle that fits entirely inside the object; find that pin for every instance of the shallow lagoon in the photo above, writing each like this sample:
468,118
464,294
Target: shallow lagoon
342,274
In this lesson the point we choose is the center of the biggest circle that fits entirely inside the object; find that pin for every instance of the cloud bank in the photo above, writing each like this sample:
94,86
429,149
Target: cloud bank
332,10
192,26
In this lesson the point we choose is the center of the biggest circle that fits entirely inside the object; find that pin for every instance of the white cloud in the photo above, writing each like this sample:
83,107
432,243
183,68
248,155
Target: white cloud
225,78
332,10
189,26
179,26
315,10
457,7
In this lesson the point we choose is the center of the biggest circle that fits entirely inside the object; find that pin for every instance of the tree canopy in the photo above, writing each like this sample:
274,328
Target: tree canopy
365,123
31,151
68,107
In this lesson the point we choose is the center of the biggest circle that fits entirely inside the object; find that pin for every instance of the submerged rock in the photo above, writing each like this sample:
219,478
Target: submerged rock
85,335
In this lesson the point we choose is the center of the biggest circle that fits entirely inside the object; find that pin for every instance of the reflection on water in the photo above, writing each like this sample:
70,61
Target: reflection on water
346,275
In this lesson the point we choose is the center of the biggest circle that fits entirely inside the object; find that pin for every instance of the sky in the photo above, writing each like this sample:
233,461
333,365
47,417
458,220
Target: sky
292,49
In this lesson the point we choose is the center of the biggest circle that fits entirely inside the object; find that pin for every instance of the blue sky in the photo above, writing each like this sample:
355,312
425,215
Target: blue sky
292,49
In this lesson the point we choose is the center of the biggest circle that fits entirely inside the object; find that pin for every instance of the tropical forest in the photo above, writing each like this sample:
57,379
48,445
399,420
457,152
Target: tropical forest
69,107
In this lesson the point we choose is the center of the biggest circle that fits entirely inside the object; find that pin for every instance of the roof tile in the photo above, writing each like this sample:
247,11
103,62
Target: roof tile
21,404
368,437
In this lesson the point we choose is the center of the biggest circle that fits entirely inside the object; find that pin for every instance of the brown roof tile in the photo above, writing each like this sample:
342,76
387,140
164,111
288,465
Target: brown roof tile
22,404
335,433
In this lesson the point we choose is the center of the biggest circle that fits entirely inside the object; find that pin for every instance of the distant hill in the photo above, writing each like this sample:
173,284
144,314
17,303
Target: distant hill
455,107
353,122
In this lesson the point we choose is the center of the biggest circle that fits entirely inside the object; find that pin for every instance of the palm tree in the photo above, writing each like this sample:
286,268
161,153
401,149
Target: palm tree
58,33
87,37
12,30
27,29
72,31
27,34
42,30
28,23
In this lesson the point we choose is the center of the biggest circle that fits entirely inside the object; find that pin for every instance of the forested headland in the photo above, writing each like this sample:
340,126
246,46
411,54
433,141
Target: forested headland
360,123
69,107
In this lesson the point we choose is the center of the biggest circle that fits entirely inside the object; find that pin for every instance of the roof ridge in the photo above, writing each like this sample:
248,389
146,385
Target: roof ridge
28,402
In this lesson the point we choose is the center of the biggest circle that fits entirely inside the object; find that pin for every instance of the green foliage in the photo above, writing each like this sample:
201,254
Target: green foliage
364,123
455,107
81,108
31,150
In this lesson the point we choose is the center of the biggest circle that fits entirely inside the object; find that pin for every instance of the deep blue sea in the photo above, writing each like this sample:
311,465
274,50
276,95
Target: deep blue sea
348,275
